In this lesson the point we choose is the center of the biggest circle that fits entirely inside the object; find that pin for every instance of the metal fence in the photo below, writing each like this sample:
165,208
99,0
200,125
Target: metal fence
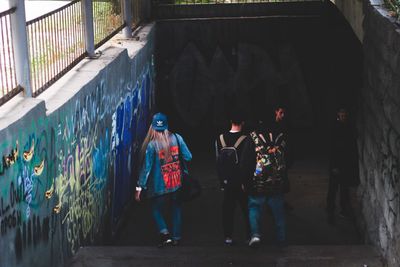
56,44
138,12
58,40
107,20
194,2
8,81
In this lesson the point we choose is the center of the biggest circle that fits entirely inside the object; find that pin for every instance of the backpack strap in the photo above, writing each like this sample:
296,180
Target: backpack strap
221,138
240,140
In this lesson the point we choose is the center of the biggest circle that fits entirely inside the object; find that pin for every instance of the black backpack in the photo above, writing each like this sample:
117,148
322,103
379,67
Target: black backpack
228,159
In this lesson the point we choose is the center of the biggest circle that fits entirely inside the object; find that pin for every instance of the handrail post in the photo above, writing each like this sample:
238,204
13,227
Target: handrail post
20,44
87,14
127,9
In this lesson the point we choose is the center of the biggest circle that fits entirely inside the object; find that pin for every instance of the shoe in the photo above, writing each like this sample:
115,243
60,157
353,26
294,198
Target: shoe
254,242
176,242
165,240
228,241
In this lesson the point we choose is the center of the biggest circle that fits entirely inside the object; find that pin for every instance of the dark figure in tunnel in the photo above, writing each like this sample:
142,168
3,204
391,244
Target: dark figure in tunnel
264,183
228,152
343,165
279,131
161,176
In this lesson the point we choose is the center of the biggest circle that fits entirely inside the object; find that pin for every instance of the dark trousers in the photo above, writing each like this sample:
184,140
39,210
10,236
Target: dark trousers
233,197
334,186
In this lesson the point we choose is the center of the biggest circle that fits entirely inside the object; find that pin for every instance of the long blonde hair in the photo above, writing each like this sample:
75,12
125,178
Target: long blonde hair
161,141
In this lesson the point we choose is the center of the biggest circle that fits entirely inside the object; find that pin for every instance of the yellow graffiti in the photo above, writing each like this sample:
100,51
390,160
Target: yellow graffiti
38,170
12,158
29,154
57,208
49,193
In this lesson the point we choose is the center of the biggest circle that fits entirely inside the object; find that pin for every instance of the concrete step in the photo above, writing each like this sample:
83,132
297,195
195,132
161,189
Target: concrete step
240,255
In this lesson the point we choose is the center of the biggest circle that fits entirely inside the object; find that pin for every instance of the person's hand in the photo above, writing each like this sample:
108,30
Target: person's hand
137,195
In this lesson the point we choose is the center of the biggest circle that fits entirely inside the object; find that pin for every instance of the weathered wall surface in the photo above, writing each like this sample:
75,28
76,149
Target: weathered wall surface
354,13
379,129
66,175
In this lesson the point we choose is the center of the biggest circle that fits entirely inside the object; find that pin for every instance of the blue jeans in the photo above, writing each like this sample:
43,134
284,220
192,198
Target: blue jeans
256,205
158,205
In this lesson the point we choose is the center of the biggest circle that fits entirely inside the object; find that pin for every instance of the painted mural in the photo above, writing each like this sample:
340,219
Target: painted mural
66,177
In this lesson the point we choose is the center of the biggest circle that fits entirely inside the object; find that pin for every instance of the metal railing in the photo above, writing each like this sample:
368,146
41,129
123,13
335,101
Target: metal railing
194,2
57,41
137,12
8,80
107,20
56,44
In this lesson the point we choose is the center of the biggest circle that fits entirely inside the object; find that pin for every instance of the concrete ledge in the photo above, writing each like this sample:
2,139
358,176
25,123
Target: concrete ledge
71,83
237,10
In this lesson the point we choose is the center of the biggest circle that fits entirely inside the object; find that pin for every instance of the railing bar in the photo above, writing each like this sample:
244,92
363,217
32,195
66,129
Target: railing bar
7,72
102,24
110,36
77,30
51,13
39,50
35,60
53,47
11,70
63,39
8,12
29,41
50,54
3,86
71,34
57,18
101,9
43,50
95,20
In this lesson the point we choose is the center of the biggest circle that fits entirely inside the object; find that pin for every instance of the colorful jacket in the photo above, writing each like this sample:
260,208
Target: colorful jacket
159,177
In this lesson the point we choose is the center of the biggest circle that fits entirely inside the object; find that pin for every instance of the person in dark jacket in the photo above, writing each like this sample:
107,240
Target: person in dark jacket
279,134
343,165
232,186
255,186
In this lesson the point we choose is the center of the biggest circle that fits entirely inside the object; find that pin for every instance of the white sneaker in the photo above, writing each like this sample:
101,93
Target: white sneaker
228,241
254,241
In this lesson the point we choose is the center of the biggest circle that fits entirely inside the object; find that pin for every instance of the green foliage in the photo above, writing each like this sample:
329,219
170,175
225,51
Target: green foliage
393,6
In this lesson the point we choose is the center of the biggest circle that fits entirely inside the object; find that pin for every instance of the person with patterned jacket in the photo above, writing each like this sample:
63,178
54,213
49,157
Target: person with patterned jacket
161,175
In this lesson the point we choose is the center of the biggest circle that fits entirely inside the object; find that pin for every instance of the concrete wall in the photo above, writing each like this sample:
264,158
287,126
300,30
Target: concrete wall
66,170
379,129
353,12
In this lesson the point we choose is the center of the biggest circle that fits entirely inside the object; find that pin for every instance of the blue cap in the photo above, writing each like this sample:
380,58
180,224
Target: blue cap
160,122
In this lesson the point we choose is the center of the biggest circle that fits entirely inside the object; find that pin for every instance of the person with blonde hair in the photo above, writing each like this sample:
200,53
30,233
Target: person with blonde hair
161,175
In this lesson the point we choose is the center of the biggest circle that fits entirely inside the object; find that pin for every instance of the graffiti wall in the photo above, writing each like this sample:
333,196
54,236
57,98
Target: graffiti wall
66,176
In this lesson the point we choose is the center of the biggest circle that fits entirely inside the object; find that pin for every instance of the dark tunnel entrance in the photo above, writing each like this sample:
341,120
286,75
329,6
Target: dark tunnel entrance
310,64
